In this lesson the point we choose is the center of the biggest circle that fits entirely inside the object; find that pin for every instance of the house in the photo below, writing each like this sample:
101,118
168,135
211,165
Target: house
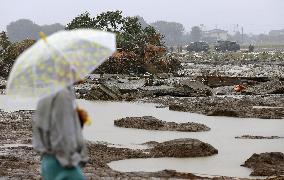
216,34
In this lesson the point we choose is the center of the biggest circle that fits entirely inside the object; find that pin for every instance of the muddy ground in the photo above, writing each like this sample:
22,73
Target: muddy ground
18,160
204,86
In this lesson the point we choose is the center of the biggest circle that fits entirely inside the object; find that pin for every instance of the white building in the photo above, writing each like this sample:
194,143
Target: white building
216,34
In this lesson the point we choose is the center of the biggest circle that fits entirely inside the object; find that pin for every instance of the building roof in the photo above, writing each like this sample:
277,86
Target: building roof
216,31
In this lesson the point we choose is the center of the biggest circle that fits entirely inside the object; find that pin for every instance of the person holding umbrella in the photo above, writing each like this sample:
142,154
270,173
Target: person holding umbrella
47,71
57,135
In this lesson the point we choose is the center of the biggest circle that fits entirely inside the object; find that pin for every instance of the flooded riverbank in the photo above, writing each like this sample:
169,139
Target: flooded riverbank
231,152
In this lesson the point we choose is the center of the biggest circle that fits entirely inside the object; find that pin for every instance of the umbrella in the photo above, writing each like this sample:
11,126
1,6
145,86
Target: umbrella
58,61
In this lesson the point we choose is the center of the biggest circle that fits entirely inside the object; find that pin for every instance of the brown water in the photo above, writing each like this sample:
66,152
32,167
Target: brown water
232,152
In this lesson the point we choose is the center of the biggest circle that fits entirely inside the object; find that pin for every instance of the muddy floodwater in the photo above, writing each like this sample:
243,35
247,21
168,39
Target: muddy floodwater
232,152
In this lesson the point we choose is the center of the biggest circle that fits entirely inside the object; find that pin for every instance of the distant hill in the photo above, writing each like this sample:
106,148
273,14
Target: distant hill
26,29
142,22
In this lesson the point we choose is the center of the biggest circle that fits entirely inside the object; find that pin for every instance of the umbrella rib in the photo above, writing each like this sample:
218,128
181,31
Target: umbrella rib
33,79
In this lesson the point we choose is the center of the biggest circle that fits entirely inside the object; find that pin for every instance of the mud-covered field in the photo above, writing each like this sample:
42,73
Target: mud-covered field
19,160
205,84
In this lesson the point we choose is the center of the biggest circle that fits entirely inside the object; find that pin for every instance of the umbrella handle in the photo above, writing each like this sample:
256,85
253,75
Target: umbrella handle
43,36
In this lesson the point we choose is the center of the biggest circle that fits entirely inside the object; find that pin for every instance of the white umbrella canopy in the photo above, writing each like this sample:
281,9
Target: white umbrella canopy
58,61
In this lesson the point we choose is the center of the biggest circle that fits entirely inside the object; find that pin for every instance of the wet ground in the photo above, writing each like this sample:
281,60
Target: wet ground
19,160
203,86
124,143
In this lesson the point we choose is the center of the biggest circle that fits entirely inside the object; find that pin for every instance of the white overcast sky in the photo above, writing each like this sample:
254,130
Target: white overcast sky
256,16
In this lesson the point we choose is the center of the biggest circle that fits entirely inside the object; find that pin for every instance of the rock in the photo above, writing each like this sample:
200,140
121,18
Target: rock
182,148
266,164
152,123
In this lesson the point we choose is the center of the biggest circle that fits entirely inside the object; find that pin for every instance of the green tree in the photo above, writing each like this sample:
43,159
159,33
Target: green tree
10,52
82,21
109,21
130,35
237,37
4,40
172,31
195,34
153,37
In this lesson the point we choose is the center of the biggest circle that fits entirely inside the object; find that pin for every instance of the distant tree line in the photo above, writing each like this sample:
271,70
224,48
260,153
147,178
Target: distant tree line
173,32
174,35
26,29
